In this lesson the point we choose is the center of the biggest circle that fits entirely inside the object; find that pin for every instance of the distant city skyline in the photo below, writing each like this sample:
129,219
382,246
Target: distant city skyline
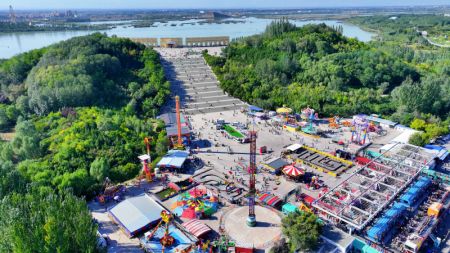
208,4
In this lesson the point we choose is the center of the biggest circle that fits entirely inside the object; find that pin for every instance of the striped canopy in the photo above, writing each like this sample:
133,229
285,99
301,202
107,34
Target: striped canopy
293,171
196,228
270,199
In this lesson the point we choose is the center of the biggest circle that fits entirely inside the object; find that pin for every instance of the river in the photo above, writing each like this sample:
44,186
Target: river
15,43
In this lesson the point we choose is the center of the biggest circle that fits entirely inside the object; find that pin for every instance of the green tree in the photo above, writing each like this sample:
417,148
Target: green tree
99,169
418,124
418,139
162,144
10,179
46,222
303,231
26,141
280,247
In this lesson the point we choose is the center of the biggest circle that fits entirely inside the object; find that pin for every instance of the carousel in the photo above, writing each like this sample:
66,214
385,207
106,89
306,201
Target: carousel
293,172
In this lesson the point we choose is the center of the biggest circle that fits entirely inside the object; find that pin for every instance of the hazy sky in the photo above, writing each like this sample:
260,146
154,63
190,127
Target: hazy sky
158,4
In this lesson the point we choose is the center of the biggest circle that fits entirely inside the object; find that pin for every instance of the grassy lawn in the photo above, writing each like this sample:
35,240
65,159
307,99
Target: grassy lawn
233,132
165,193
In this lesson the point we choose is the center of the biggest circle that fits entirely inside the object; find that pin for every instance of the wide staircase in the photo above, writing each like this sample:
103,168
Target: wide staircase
197,86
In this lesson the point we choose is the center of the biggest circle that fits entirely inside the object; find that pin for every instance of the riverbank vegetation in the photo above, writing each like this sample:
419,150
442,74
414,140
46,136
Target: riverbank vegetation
8,27
406,38
317,66
79,110
405,28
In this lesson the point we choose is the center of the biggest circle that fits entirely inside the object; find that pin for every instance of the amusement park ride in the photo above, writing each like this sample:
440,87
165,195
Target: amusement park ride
167,240
309,115
360,129
147,161
251,220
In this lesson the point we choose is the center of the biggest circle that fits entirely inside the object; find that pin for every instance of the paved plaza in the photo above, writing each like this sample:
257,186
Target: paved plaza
266,231
214,148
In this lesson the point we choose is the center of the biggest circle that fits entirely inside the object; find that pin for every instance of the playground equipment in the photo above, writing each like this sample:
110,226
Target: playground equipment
360,129
167,240
309,115
251,220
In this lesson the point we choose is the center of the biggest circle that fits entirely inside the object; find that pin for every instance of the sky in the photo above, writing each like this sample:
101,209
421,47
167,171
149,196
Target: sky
206,4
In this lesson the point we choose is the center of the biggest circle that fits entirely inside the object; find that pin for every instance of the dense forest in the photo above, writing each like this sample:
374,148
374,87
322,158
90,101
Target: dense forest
78,112
317,66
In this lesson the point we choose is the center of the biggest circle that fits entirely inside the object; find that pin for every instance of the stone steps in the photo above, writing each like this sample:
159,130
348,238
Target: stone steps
213,103
201,94
197,86
204,83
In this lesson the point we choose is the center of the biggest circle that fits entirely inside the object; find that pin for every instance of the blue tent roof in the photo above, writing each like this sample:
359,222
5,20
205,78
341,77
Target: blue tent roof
384,223
255,108
415,189
434,147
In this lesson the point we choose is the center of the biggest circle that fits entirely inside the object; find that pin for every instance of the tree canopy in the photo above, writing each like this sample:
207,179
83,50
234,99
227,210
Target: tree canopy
311,65
46,222
78,112
82,109
303,231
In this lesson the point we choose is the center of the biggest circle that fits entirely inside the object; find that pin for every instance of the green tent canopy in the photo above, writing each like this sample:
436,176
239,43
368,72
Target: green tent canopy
289,208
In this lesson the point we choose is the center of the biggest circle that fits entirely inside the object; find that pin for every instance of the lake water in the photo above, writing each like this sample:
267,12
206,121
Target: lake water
15,43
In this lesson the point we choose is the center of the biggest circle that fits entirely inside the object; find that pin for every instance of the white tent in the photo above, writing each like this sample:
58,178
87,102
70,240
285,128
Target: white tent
294,147
404,137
